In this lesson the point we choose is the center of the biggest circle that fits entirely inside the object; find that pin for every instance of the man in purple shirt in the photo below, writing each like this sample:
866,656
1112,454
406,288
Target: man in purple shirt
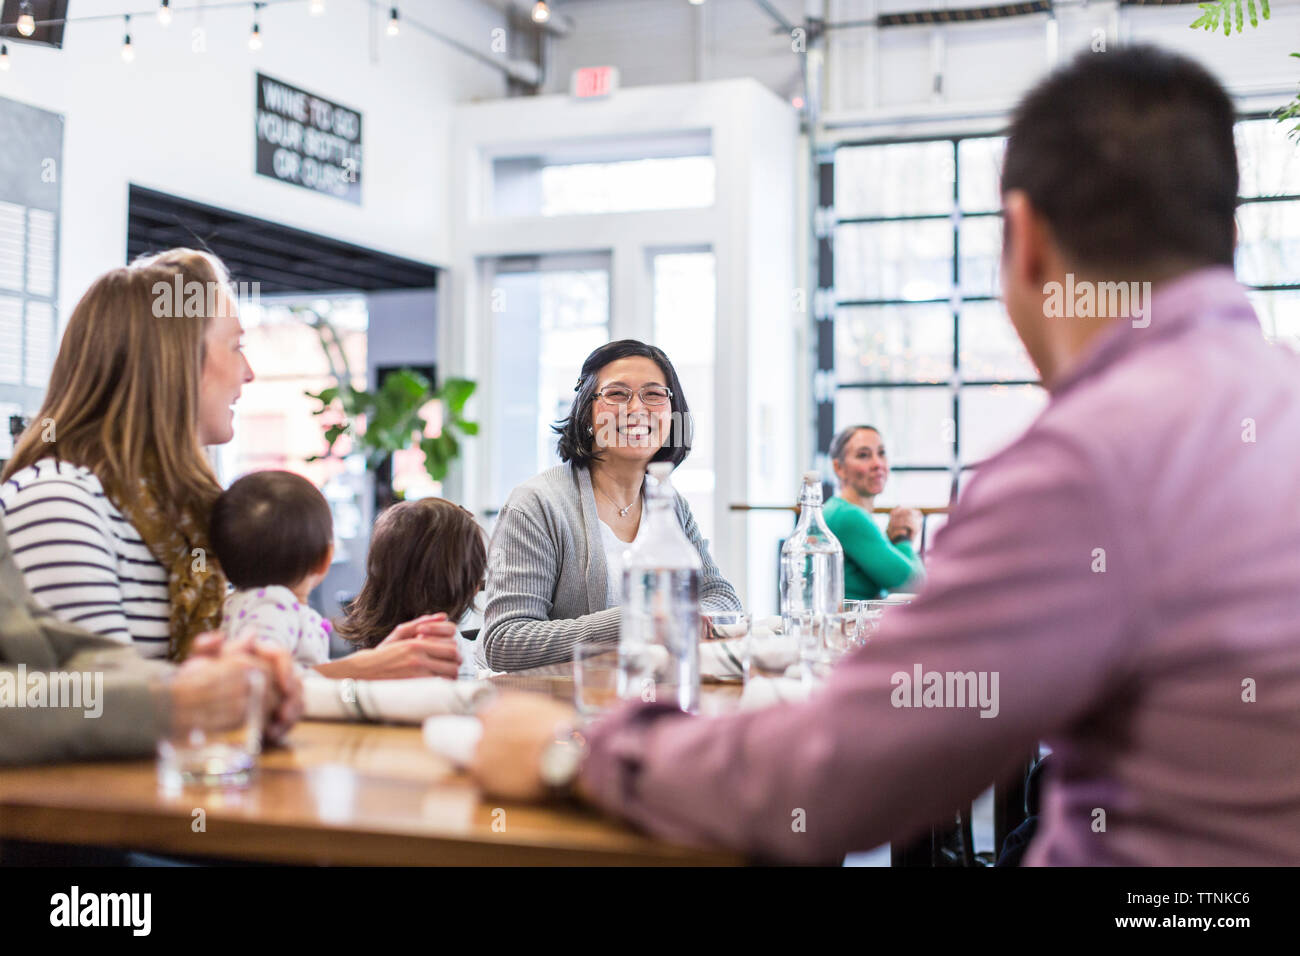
1123,582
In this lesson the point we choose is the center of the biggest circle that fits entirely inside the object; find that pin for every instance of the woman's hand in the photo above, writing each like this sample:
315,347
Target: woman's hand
430,625
904,523
422,647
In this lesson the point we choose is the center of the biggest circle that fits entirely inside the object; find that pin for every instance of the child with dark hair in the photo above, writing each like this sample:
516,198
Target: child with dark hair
273,534
427,556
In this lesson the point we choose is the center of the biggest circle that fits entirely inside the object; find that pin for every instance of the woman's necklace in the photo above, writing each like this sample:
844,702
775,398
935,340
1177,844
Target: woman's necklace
622,512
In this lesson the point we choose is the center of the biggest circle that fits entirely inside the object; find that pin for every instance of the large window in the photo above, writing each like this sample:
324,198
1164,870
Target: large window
922,346
548,313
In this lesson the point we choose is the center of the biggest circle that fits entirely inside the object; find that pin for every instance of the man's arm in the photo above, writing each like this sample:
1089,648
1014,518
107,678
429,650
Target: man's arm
1012,596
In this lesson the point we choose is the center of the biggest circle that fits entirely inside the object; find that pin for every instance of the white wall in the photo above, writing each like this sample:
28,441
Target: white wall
751,229
182,122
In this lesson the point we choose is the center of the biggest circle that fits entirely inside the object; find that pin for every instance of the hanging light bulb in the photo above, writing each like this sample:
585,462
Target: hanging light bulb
317,7
697,3
541,12
165,12
255,38
4,58
128,51
26,23
392,22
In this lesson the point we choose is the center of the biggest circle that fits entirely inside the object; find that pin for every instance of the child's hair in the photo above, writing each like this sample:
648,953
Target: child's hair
270,527
425,556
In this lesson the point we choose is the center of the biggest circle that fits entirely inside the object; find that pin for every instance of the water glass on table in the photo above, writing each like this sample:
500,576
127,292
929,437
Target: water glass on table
217,752
770,651
595,678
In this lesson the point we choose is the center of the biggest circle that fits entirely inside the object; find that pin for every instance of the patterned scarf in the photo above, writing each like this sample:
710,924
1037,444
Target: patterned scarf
196,586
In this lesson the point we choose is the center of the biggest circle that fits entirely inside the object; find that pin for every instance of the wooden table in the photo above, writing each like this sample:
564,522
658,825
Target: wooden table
336,793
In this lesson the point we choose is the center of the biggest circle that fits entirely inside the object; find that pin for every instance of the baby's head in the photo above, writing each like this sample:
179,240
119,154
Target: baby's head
273,527
426,556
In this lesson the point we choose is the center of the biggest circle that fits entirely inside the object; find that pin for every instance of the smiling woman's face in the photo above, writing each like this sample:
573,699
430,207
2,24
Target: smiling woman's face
225,372
635,431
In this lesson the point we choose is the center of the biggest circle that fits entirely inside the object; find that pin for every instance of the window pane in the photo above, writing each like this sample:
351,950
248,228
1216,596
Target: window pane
525,186
916,423
981,252
1268,160
915,489
1279,316
990,348
685,292
551,319
979,187
897,179
1268,252
994,416
901,343
894,260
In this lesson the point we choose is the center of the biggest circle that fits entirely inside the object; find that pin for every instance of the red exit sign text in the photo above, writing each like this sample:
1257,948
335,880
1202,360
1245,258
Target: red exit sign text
593,81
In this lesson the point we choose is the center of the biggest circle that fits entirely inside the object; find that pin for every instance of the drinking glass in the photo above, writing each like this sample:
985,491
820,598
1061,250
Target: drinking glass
770,652
595,678
194,754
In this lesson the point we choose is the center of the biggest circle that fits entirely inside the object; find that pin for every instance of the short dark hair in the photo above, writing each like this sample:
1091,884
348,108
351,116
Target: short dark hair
1129,156
426,556
270,527
577,444
844,436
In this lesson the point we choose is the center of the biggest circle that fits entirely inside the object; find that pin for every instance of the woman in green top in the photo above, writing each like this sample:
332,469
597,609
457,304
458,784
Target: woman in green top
875,562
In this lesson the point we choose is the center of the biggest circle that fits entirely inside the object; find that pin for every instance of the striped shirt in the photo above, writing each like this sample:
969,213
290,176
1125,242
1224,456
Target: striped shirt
82,559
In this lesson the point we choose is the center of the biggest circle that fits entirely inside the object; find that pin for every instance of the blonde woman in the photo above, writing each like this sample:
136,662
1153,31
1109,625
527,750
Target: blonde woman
107,498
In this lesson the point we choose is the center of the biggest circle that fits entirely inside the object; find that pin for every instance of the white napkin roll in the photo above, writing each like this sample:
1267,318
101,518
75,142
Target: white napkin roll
407,701
454,738
763,692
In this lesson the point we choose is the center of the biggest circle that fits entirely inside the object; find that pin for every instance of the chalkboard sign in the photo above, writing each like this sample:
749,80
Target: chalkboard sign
308,141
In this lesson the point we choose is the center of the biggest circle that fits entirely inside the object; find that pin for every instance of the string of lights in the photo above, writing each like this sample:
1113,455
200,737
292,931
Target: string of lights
26,25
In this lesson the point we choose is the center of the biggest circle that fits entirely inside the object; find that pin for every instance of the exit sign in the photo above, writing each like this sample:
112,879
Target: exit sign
590,82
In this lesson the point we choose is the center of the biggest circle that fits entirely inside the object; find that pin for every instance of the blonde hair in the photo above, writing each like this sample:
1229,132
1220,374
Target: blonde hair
123,398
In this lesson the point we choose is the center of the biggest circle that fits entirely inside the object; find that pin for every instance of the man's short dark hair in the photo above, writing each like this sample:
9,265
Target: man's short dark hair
577,443
1129,155
270,527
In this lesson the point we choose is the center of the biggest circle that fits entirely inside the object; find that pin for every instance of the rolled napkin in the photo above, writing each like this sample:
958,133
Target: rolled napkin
763,692
407,701
454,738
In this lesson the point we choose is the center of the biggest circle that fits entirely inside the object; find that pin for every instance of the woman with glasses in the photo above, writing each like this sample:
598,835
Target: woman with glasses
554,567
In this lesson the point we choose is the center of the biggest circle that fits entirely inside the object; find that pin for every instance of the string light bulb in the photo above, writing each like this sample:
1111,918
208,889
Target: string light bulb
128,51
392,22
541,12
4,58
165,12
26,23
317,7
255,38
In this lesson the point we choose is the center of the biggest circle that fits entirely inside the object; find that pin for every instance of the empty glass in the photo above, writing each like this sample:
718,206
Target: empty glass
770,652
194,754
595,678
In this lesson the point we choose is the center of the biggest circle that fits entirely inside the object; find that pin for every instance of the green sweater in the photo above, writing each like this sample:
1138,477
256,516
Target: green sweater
873,566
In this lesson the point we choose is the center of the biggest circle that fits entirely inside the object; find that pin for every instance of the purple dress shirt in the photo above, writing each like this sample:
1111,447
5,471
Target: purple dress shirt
1126,575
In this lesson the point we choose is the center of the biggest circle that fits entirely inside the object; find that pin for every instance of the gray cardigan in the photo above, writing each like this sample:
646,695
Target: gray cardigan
547,578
